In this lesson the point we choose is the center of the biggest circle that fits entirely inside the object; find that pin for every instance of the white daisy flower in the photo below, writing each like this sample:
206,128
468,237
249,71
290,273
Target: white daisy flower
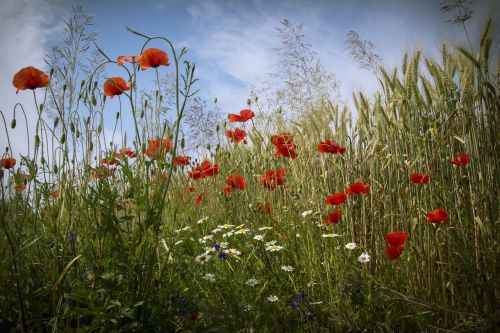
350,246
202,258
272,298
183,229
209,277
241,231
228,234
252,282
274,248
271,243
307,213
258,237
364,258
329,235
233,252
226,226
200,221
287,268
204,239
210,249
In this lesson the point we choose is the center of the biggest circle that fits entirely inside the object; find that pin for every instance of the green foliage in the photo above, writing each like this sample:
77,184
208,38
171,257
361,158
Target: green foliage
120,251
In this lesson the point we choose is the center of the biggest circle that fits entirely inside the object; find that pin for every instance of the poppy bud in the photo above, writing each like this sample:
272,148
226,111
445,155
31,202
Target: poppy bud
91,146
217,128
256,98
94,100
13,123
72,127
37,141
182,143
141,115
56,122
208,146
51,71
161,98
41,107
215,100
55,168
95,84
99,129
145,104
77,134
117,115
82,83
63,138
65,87
87,120
249,102
42,160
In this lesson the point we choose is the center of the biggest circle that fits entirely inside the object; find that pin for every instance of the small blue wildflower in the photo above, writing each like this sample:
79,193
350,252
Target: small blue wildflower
294,305
222,255
301,296
309,316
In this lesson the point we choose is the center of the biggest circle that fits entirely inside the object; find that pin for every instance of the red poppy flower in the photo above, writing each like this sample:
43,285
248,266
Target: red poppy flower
286,150
242,117
358,188
282,139
273,178
21,187
417,178
393,251
261,207
437,215
227,189
237,135
189,188
182,160
155,150
107,161
30,78
396,238
7,163
205,169
102,172
123,59
114,86
236,182
333,217
331,147
153,57
55,194
336,198
199,197
461,160
125,151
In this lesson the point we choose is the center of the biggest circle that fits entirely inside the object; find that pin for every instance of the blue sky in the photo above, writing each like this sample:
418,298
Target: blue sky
232,41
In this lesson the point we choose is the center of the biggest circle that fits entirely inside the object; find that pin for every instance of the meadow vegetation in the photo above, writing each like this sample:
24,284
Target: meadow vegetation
138,236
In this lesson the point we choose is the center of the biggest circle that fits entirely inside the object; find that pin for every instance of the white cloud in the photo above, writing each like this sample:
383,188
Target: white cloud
26,28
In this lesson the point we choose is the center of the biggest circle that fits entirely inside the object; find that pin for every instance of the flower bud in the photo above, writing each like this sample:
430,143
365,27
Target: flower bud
13,123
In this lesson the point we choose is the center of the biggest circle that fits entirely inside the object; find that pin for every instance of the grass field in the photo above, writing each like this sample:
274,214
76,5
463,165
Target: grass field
93,241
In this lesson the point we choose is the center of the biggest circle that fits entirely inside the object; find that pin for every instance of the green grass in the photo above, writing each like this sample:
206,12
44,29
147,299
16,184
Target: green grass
109,254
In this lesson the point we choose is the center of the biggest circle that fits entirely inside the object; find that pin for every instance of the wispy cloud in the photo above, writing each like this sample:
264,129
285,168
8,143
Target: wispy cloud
24,38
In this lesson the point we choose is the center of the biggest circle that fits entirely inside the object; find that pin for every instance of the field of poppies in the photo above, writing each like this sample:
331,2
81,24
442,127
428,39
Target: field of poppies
378,219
